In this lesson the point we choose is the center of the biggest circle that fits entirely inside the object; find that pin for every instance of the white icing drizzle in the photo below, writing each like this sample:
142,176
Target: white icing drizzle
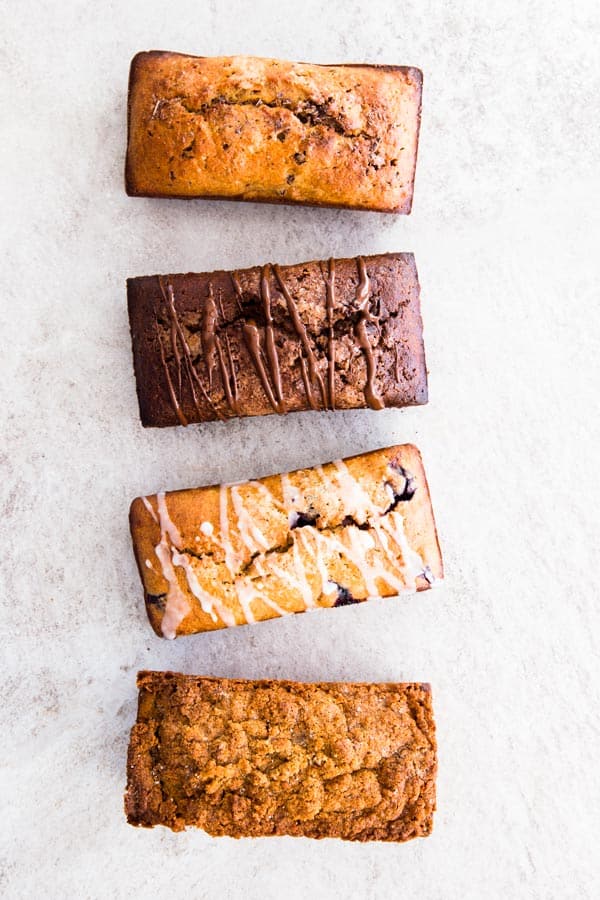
148,564
303,585
360,543
166,524
293,499
354,497
168,554
326,541
321,472
288,490
232,559
361,547
391,524
356,546
208,602
150,508
400,584
246,592
177,606
250,534
274,606
296,579
264,569
413,563
268,495
302,536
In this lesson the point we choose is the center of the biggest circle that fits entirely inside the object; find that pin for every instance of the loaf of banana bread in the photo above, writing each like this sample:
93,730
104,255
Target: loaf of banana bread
243,128
341,334
257,758
214,557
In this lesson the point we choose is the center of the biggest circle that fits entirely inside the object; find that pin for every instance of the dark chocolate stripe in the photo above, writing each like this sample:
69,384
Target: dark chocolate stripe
227,377
209,324
252,340
306,382
234,387
362,300
302,333
330,287
265,293
177,330
227,367
171,389
251,336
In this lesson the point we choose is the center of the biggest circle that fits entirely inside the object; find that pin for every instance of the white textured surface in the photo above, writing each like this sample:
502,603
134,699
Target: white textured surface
505,230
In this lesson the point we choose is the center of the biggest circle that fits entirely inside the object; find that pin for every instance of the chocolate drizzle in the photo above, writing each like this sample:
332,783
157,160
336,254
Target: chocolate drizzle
265,292
251,336
209,343
306,382
172,394
252,339
228,376
302,333
177,336
362,337
175,349
330,288
213,350
237,289
262,348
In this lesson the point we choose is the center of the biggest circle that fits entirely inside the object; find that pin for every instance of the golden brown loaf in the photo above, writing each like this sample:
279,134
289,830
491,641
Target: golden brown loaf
253,758
219,556
244,128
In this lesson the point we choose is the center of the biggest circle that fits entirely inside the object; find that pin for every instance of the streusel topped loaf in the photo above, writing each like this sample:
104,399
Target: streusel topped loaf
329,536
244,128
252,758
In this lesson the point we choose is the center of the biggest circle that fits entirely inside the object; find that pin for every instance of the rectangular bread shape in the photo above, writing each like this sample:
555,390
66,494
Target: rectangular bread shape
258,758
341,334
245,128
214,557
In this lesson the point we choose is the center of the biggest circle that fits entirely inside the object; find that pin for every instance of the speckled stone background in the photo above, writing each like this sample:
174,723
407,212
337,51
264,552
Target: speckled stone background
505,229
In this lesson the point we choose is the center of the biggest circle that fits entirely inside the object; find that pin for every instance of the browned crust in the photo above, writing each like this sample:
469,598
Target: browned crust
254,758
133,191
400,365
189,507
135,523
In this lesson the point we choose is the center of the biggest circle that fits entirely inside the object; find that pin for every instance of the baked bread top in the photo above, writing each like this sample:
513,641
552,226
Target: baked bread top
241,127
251,758
335,334
336,534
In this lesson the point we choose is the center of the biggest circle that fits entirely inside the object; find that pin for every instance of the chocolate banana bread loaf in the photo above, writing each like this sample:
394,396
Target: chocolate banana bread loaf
214,557
256,758
341,334
242,128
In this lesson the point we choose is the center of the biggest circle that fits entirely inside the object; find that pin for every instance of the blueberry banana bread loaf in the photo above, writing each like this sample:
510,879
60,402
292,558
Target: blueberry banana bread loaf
341,334
242,128
214,557
256,758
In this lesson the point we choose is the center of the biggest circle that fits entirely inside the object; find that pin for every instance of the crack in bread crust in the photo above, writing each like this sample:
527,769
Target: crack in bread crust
273,131
308,112
323,537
